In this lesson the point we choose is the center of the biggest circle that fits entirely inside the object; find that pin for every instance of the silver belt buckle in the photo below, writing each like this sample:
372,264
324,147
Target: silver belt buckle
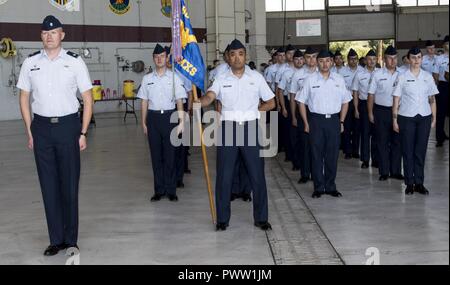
162,112
328,116
54,120
241,123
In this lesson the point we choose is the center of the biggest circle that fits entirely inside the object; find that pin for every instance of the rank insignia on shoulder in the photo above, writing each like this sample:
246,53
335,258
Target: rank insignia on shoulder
72,54
35,53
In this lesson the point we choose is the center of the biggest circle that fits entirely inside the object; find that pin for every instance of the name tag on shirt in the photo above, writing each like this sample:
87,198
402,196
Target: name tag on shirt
227,86
35,69
315,87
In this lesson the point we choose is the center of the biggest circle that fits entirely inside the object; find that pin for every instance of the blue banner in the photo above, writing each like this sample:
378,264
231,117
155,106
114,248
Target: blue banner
192,65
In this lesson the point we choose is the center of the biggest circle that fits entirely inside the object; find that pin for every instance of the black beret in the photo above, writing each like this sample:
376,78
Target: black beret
337,53
298,53
371,53
429,44
50,23
290,47
159,49
352,52
324,54
414,51
236,44
446,39
390,51
227,48
310,50
167,49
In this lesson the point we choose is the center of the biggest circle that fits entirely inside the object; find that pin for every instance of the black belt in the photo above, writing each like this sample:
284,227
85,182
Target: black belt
56,120
162,112
327,116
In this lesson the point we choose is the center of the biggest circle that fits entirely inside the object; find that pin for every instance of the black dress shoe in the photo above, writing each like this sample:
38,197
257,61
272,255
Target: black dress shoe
317,195
421,190
234,197
265,226
409,190
247,197
180,184
156,198
173,198
335,194
384,177
187,171
348,157
440,144
53,250
398,177
375,165
365,165
221,227
295,168
356,156
303,180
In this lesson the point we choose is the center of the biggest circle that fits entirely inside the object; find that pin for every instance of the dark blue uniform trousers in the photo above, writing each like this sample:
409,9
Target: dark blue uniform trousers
162,151
181,160
295,136
227,155
241,182
285,129
388,142
325,138
442,111
367,131
414,134
57,154
304,150
351,136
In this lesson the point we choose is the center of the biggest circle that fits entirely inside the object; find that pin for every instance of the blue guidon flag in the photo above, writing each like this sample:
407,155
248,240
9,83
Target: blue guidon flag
191,64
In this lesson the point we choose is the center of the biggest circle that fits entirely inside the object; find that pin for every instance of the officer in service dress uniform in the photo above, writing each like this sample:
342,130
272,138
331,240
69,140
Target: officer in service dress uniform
327,98
240,91
51,79
158,105
414,114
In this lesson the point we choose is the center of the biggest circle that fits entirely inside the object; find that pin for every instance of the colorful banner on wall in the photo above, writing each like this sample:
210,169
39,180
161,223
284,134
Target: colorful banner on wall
120,7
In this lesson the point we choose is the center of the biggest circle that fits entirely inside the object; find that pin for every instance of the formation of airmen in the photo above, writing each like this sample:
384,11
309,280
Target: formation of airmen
324,105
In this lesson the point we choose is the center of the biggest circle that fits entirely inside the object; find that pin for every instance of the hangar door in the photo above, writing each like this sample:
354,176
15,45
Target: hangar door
349,27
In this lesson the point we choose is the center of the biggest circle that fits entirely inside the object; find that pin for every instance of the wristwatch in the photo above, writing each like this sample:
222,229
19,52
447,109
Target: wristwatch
84,134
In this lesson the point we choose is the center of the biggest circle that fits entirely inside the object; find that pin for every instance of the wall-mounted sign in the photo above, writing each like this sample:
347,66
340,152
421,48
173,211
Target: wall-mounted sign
166,8
66,5
120,7
309,28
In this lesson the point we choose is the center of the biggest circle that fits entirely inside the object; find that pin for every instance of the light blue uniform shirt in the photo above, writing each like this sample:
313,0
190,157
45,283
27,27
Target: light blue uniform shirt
414,93
158,90
440,67
361,83
240,97
324,97
286,80
298,78
382,86
349,74
53,84
428,63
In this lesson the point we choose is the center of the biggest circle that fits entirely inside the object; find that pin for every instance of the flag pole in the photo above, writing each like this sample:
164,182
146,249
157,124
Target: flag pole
205,157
